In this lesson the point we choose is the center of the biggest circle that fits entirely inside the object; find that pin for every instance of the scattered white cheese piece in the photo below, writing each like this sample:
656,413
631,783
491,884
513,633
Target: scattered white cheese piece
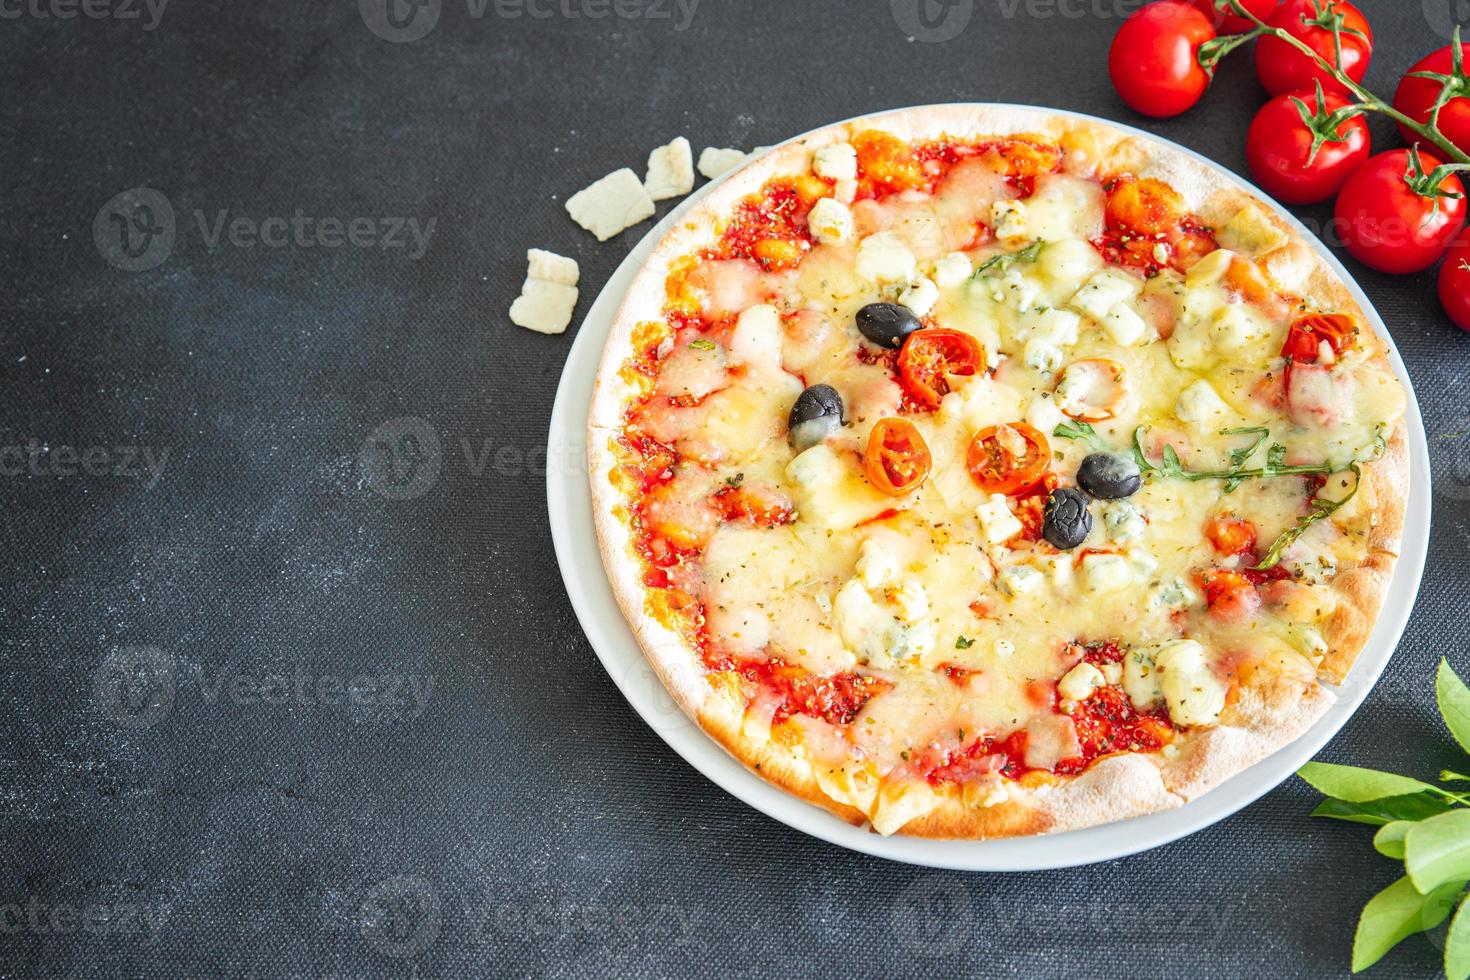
997,520
1210,269
549,294
830,222
1112,673
920,296
670,170
845,191
877,565
1009,220
1104,291
1041,355
714,161
912,601
1106,573
835,161
550,267
1004,648
1194,694
615,202
883,257
545,307
1140,682
1123,325
1201,406
1044,416
1122,520
1018,580
1079,682
952,270
1058,568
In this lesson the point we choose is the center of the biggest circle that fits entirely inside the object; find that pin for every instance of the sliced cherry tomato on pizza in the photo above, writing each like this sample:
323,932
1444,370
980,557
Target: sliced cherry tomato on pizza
1283,68
1307,335
1454,281
1155,58
1231,535
1008,459
897,459
1093,389
1303,147
1416,97
1399,211
931,357
1230,595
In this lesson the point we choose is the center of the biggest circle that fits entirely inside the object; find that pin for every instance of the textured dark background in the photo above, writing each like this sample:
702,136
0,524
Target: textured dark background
213,757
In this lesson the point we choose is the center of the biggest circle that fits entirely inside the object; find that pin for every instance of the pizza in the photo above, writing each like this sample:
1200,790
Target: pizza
976,472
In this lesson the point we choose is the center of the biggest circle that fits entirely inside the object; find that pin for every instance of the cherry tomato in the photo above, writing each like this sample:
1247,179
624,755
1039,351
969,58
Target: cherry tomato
929,358
1092,389
1393,219
897,458
1230,595
1282,68
1415,98
1008,459
1231,535
1301,151
1304,339
1454,281
1154,61
1229,22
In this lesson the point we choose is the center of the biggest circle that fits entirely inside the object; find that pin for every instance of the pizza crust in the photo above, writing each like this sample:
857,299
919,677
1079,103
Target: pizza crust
1266,716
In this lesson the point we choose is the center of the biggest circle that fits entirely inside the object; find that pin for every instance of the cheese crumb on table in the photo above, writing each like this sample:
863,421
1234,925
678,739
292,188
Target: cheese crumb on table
549,294
670,170
714,160
610,205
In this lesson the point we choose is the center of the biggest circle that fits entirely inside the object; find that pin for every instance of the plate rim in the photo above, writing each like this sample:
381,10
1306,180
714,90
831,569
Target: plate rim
568,488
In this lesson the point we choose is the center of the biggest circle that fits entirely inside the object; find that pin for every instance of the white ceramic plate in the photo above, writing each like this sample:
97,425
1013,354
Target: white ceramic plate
569,502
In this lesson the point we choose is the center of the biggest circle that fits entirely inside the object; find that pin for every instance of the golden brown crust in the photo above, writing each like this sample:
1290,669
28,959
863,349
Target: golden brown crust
1269,712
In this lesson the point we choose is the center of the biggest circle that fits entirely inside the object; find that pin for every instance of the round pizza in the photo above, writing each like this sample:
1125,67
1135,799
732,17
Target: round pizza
980,471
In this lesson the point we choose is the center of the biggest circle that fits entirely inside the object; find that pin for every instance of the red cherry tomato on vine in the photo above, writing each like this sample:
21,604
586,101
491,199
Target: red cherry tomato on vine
1282,68
1233,23
1154,61
1454,281
1393,218
1306,158
1416,96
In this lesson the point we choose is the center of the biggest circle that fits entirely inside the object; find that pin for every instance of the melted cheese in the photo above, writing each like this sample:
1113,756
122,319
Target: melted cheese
899,587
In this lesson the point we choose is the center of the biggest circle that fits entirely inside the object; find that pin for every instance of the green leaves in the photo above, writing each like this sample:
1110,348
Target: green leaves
1000,263
1322,508
1356,785
1437,850
1395,914
1238,472
1453,698
1425,826
1079,431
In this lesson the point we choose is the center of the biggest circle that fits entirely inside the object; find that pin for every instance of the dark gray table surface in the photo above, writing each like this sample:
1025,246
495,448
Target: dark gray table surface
260,717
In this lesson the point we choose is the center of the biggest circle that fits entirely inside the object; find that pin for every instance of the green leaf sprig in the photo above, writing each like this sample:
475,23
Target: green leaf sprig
1427,827
1000,263
1080,432
1238,472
